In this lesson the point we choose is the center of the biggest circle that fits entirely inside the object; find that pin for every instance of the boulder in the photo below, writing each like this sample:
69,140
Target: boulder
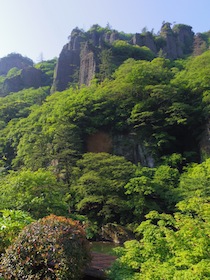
115,233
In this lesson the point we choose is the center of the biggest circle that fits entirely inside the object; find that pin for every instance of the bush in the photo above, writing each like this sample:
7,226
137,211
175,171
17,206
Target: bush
52,248
11,223
37,192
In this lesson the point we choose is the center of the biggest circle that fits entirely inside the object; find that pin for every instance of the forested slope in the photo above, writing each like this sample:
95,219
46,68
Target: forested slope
130,144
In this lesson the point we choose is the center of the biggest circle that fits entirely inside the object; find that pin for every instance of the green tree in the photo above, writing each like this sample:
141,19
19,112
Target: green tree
98,187
171,247
196,179
38,193
152,189
47,67
122,50
106,66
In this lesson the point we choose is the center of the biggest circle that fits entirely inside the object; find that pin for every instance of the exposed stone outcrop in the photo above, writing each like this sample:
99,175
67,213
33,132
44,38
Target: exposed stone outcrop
113,37
31,77
79,60
199,45
170,49
173,43
17,73
88,64
146,40
129,146
90,53
67,68
99,142
178,41
28,77
185,39
115,233
126,145
14,60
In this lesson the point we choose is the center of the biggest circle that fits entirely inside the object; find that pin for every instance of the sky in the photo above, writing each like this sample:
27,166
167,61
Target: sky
39,29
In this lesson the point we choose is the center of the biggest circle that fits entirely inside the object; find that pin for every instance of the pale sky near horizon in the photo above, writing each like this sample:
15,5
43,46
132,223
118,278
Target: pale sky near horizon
35,27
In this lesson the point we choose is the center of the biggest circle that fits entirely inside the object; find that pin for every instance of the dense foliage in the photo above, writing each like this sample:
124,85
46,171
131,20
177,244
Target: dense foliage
151,175
164,104
172,246
98,187
37,192
11,223
51,248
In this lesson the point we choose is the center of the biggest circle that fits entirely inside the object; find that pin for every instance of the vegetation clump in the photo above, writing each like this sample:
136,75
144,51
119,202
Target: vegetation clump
54,247
173,246
11,223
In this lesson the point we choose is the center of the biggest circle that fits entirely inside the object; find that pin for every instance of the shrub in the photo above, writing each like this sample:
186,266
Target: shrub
52,248
11,223
37,192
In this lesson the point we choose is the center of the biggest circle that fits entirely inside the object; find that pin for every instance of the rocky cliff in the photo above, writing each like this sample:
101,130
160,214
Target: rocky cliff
67,68
200,45
80,58
28,77
18,72
14,60
146,39
178,41
127,145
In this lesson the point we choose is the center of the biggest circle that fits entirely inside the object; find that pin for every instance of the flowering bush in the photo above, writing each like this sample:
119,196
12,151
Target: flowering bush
52,248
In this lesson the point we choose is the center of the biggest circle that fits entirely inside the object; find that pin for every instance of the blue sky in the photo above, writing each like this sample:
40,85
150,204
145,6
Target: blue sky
35,27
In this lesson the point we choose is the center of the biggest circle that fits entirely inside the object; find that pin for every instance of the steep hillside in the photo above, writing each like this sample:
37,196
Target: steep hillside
159,98
18,73
115,134
99,51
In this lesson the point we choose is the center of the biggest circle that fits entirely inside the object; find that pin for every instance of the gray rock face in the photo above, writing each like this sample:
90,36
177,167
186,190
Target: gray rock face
67,68
28,77
31,77
22,74
185,38
14,60
170,49
110,37
176,42
126,145
88,64
80,59
113,37
146,40
179,40
132,149
199,45
115,233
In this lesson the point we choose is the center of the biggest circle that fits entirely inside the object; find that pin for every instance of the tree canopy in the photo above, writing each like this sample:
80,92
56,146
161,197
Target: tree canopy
153,179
